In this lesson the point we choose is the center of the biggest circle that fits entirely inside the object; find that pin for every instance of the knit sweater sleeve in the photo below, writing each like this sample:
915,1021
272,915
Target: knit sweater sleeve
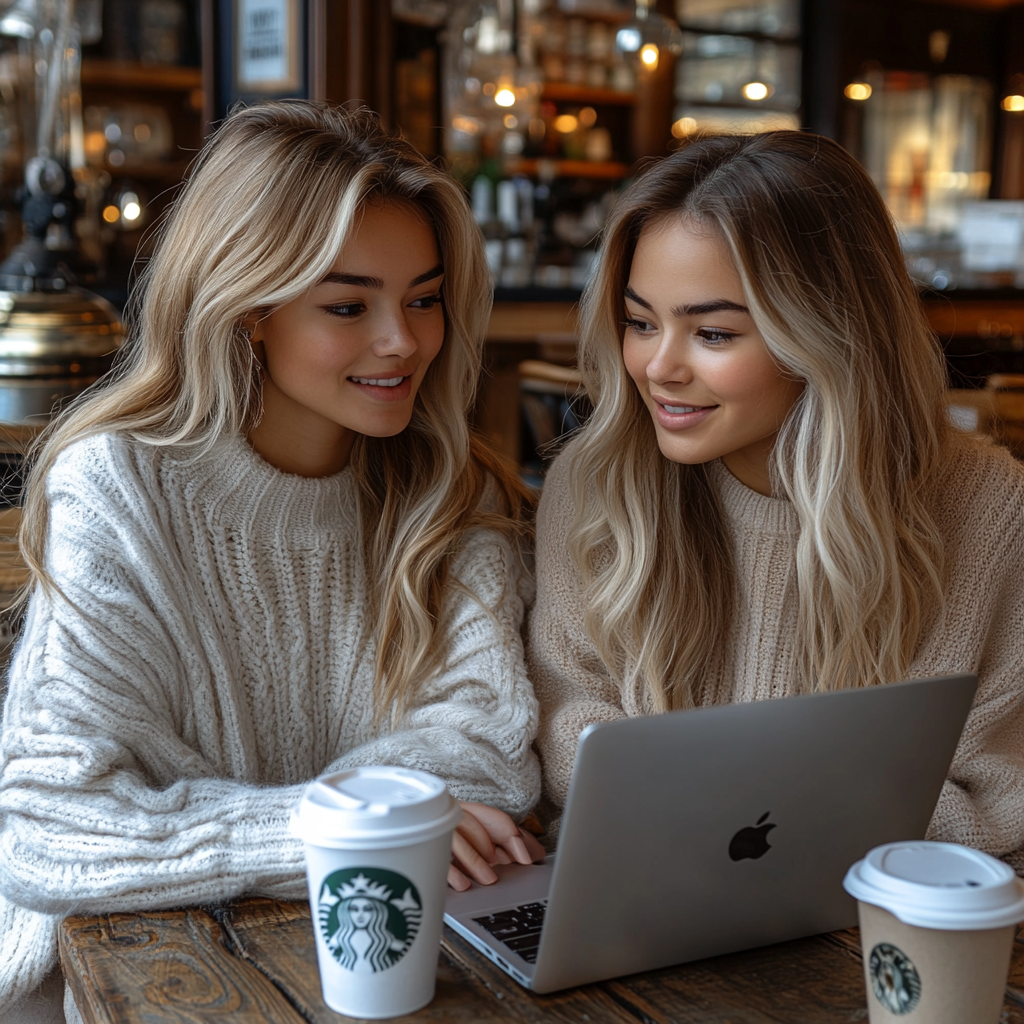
104,807
982,800
106,804
474,722
573,685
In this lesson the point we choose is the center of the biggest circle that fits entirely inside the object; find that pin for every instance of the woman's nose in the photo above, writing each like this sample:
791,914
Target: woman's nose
670,363
395,337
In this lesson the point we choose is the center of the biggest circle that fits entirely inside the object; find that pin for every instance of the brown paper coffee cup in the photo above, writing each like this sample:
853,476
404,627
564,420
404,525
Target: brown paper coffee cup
930,976
937,922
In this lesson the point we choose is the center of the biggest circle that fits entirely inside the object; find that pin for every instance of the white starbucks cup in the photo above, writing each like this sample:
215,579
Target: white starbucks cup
937,923
378,845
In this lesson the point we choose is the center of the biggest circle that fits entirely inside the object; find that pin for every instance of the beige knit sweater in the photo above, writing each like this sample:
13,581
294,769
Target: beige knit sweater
981,516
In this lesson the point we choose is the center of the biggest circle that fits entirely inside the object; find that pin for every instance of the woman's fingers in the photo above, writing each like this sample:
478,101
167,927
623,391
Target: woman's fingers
457,880
498,824
469,861
504,834
484,837
516,847
533,847
475,831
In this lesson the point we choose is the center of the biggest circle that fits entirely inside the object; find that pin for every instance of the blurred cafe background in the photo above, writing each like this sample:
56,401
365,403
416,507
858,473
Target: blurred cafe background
543,109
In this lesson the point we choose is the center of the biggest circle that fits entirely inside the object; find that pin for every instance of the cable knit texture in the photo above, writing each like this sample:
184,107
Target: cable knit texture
213,656
980,513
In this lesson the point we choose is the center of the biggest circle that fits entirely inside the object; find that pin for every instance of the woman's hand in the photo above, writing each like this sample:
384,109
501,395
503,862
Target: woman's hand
485,837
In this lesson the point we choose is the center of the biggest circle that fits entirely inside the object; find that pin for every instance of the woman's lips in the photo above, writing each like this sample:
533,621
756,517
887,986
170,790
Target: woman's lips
384,389
678,416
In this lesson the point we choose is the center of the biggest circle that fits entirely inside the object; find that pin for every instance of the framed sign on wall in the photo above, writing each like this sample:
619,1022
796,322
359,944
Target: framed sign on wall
253,50
268,54
334,50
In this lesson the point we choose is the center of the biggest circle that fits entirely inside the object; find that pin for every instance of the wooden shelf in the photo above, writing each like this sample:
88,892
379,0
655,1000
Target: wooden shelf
739,103
131,75
532,321
610,170
597,12
977,318
562,92
152,170
757,37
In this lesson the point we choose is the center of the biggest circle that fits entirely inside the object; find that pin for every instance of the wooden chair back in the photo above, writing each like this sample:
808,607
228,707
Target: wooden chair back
996,410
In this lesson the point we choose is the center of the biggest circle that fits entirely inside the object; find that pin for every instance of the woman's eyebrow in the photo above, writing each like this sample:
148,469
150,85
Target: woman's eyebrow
361,281
354,279
712,306
630,294
428,276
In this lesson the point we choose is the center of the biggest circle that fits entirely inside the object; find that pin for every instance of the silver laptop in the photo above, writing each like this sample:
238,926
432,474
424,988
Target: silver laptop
696,833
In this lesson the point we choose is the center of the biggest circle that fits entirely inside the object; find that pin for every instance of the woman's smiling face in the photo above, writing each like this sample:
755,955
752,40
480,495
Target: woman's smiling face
696,356
349,355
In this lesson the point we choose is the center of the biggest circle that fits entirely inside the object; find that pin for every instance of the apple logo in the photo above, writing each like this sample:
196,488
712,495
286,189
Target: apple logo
751,841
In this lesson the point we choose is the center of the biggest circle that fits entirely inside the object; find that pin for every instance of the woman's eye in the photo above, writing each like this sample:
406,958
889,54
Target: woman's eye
427,302
640,326
346,309
713,336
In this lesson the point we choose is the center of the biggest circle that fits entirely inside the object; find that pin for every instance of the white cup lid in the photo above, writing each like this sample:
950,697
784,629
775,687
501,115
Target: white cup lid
938,885
375,807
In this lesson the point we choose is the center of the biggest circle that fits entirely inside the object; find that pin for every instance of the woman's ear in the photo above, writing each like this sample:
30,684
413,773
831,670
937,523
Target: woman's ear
248,326
251,332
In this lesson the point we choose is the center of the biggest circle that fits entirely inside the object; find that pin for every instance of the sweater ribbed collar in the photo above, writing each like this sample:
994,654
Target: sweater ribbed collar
238,450
747,510
234,477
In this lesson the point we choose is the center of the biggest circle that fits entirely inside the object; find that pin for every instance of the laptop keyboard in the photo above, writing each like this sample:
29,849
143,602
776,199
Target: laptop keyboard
518,929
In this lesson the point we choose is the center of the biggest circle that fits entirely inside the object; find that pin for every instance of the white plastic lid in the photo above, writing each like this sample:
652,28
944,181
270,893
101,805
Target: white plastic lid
374,808
938,885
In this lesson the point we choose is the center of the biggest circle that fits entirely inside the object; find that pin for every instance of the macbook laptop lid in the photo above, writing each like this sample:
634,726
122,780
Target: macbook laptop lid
701,832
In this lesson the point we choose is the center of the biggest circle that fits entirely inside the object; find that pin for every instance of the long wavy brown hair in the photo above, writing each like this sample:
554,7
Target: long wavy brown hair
266,208
858,455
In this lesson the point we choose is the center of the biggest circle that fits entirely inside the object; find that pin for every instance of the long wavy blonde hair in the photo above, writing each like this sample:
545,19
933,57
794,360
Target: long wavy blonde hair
267,207
857,456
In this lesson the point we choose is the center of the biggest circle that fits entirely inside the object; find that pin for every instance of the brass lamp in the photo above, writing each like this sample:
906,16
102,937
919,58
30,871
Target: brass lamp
55,337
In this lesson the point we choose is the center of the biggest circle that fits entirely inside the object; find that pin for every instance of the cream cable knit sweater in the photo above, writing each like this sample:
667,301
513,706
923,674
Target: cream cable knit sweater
981,516
159,730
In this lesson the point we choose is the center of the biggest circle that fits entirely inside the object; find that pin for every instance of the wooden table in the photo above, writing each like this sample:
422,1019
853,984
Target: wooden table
254,961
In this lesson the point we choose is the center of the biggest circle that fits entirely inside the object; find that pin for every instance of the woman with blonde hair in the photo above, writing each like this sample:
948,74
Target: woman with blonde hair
268,546
767,499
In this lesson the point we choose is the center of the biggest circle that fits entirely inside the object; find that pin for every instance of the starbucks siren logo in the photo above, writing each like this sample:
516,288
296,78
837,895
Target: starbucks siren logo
368,917
894,979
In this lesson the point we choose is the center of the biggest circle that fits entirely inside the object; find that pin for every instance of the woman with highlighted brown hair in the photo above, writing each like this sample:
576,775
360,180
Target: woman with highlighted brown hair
268,546
768,499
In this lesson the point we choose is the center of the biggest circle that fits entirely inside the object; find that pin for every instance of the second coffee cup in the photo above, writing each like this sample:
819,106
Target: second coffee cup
937,923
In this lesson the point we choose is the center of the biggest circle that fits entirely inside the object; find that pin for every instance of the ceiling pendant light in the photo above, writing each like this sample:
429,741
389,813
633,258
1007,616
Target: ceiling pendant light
648,38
